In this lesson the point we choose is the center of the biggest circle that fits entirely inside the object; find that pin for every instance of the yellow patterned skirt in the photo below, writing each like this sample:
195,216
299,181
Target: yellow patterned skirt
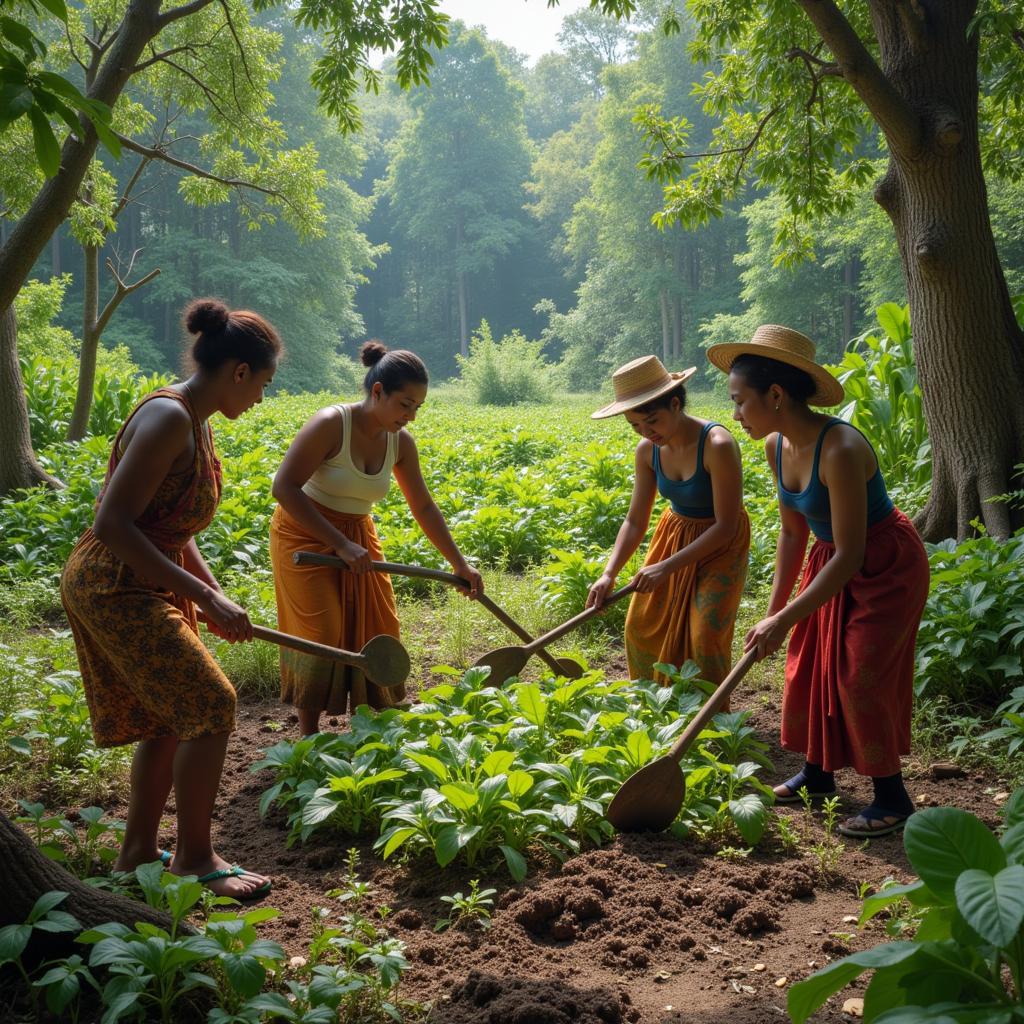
692,615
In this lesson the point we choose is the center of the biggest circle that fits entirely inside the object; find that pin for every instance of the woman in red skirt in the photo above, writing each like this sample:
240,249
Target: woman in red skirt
850,663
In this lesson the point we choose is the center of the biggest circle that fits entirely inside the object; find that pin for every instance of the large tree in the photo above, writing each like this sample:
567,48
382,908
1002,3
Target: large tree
456,179
797,87
135,36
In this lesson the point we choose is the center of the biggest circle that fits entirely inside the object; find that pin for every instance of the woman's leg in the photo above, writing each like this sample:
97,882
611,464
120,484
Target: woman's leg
151,778
197,770
309,720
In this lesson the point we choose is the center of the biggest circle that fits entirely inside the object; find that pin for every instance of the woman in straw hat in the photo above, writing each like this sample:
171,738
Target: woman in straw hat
850,663
689,589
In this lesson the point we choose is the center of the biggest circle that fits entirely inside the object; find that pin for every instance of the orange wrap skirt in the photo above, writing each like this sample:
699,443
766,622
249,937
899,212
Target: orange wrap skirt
850,663
692,615
330,606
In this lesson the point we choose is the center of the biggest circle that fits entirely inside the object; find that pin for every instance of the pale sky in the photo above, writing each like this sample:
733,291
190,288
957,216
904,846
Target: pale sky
529,26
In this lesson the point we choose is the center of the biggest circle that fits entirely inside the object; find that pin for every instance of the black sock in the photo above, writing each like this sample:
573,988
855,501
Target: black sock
818,781
891,794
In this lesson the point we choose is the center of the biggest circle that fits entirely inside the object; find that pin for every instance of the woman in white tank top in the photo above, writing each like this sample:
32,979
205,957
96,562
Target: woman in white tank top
339,464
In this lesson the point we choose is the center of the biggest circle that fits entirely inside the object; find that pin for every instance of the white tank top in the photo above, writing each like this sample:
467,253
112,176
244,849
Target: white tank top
337,483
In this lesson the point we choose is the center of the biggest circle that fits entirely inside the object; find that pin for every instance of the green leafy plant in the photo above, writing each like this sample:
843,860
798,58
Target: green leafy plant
44,917
474,908
879,377
506,372
966,962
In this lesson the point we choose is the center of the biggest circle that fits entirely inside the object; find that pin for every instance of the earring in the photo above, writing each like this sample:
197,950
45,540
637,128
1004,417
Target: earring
776,408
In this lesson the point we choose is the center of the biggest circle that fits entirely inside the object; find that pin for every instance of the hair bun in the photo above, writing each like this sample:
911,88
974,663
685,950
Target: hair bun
206,316
372,352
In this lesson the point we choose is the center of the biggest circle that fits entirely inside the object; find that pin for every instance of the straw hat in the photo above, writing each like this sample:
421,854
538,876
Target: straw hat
639,382
786,346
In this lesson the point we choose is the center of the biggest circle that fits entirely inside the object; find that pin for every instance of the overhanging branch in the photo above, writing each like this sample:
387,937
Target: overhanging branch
185,11
902,127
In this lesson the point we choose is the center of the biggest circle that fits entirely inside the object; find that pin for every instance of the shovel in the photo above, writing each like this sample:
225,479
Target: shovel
505,662
567,667
382,659
650,799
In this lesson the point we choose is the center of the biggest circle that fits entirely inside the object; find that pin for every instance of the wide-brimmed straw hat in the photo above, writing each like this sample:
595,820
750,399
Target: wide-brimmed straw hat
639,382
786,346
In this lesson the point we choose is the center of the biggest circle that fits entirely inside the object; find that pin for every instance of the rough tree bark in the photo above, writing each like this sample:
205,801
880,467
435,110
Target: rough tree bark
18,464
25,874
967,344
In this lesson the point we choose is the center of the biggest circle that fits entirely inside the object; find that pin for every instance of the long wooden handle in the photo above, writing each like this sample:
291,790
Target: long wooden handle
307,646
576,620
714,702
421,572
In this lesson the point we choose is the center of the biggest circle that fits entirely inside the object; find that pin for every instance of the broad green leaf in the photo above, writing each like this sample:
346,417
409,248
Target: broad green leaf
516,862
45,904
320,807
638,746
395,840
750,816
432,764
1012,842
497,761
943,842
993,905
46,146
1013,810
519,783
461,794
894,320
532,703
886,897
13,940
806,996
245,973
447,845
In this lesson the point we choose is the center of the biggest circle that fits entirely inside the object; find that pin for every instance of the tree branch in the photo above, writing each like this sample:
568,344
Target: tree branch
157,57
902,127
238,42
206,90
176,13
121,292
160,153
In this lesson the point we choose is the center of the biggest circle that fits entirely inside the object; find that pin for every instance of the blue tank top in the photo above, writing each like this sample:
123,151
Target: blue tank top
813,502
692,497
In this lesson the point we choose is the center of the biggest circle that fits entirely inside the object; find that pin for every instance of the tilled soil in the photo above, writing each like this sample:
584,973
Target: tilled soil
648,929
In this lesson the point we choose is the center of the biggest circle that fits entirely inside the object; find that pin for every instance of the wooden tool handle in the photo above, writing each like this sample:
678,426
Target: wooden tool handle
576,620
398,569
420,571
307,646
714,702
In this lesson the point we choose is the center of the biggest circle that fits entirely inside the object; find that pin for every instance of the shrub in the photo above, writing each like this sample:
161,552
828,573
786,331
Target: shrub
506,372
971,642
880,378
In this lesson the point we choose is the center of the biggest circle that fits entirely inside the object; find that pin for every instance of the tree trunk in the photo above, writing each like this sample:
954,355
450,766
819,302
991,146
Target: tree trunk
666,337
849,281
90,342
25,874
30,236
968,346
18,464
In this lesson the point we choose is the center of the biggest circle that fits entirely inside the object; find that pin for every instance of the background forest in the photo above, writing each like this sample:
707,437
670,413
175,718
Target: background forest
503,192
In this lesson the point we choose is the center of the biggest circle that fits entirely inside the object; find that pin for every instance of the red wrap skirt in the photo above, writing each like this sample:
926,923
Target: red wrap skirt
850,663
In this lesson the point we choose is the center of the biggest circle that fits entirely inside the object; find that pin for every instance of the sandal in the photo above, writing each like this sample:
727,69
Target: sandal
877,822
795,784
236,872
165,857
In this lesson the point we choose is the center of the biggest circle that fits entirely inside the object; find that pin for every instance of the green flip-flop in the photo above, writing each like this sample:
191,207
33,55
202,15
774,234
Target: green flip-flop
236,872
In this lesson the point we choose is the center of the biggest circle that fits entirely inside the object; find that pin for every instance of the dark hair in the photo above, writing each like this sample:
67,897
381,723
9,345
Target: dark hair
663,401
225,335
760,373
394,368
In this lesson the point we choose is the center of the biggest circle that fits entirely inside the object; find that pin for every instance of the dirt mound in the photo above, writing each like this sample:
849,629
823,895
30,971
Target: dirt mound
487,999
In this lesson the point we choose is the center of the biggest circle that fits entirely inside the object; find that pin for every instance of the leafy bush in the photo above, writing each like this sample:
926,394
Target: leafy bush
971,642
880,378
506,372
966,962
482,773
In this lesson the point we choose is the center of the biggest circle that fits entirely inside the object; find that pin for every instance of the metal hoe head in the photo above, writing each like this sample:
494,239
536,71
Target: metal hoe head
387,661
649,799
504,663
